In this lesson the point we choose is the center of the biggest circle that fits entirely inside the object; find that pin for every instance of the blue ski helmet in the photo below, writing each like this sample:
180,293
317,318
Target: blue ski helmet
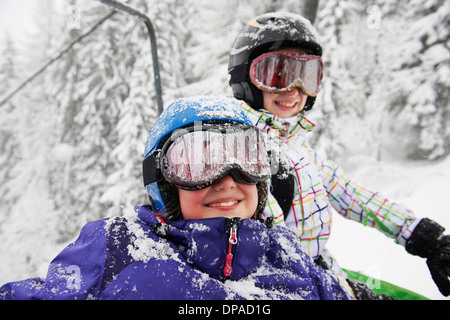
183,113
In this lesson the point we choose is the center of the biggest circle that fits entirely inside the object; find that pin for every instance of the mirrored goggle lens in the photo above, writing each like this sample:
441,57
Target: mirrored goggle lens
280,73
197,159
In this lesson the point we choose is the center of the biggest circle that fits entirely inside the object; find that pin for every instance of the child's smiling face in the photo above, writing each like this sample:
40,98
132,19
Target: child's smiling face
289,104
285,105
225,198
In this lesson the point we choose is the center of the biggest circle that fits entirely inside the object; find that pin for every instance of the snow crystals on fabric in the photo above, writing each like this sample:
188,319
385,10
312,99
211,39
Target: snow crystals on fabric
143,248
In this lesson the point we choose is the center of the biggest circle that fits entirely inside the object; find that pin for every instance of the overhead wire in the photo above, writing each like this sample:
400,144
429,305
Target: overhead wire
54,59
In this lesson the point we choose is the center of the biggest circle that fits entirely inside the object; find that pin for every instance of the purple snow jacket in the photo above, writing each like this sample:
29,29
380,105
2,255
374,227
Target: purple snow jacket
141,257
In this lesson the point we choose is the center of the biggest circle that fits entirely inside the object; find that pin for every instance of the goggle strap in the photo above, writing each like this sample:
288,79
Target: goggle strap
148,168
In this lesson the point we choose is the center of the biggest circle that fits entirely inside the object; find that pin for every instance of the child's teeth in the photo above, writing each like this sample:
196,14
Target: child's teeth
224,204
284,104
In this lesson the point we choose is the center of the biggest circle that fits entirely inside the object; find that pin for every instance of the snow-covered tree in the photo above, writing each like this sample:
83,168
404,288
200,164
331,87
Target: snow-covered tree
421,73
334,105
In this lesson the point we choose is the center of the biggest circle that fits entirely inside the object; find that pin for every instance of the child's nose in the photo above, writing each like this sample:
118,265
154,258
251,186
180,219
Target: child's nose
293,92
225,183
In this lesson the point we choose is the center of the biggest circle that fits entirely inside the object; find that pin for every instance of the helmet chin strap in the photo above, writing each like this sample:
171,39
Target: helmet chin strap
239,90
249,93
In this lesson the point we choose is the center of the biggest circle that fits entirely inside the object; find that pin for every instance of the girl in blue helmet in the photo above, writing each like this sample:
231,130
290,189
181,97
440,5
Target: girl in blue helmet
276,67
203,237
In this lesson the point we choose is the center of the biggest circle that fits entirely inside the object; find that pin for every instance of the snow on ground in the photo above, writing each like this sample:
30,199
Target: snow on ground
424,188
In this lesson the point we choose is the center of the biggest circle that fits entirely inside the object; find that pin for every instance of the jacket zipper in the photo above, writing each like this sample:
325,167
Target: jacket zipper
232,241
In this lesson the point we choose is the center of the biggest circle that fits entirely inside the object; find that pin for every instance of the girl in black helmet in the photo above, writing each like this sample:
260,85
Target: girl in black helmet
276,67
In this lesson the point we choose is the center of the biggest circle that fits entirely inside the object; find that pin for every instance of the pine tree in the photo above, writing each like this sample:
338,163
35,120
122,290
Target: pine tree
421,101
335,105
8,73
8,140
92,96
138,111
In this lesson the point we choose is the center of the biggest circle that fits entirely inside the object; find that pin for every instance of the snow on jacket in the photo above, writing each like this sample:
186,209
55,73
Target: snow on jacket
321,185
141,257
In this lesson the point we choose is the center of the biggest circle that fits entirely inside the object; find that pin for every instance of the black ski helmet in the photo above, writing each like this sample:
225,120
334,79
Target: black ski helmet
268,32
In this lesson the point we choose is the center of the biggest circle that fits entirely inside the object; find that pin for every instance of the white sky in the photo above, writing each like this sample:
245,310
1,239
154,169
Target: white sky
15,15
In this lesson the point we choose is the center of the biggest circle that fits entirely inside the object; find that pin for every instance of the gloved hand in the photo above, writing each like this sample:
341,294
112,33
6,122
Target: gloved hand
428,241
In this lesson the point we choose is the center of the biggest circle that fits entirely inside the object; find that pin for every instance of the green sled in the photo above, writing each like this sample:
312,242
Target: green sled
386,288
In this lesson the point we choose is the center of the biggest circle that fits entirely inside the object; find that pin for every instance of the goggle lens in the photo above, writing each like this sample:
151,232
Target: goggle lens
197,159
282,72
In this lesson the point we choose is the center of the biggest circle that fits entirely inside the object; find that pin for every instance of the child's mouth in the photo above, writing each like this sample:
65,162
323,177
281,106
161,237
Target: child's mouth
285,104
224,204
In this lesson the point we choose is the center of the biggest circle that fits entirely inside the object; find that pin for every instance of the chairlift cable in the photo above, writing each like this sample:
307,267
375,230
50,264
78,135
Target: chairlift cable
59,56
154,48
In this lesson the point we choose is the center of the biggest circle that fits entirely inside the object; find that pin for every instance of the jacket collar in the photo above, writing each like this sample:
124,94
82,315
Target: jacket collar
264,120
204,243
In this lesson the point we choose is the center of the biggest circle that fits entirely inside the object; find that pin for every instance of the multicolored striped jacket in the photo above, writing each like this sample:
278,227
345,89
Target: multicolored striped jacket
321,185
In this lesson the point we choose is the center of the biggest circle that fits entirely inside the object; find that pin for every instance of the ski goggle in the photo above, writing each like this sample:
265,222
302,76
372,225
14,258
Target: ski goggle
196,159
278,72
